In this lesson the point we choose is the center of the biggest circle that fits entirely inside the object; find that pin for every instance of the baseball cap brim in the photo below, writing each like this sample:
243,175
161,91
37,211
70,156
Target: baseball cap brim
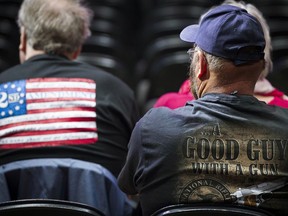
189,33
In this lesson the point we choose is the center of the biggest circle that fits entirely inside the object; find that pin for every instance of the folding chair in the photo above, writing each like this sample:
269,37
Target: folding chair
211,210
46,207
63,179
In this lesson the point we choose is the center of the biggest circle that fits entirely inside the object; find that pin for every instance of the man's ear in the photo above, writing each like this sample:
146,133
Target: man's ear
203,66
76,53
23,40
22,45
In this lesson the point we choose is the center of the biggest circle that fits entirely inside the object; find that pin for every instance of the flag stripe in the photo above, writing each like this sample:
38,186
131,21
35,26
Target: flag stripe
48,144
67,85
50,132
60,104
48,138
61,110
56,99
48,121
59,90
53,115
48,126
60,94
57,79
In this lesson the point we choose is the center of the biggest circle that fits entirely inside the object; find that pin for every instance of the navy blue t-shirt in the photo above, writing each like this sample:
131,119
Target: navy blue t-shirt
208,151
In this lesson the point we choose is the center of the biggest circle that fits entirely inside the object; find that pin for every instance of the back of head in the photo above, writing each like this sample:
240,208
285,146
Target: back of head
233,43
251,9
55,26
228,32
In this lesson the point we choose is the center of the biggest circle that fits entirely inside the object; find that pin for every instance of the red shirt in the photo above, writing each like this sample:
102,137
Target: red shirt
174,100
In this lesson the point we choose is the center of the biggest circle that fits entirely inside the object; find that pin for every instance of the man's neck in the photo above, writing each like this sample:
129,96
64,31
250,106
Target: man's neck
31,52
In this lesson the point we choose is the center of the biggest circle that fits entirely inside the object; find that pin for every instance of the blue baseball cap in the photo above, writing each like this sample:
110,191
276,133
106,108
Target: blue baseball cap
229,32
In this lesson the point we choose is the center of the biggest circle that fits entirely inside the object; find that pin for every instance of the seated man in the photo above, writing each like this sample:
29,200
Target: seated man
52,106
224,140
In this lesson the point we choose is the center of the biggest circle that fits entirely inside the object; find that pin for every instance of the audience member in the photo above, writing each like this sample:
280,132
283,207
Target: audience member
52,106
174,100
264,91
223,143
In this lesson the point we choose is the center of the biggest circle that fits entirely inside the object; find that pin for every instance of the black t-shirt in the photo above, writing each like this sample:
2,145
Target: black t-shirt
53,107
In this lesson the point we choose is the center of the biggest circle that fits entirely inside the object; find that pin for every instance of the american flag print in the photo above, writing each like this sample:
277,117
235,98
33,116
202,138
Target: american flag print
47,112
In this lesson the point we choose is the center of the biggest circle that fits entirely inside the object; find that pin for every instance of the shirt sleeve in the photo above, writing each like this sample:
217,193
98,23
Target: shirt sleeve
130,175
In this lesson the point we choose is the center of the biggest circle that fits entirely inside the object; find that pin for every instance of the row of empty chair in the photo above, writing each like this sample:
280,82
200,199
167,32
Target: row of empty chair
277,17
110,46
9,33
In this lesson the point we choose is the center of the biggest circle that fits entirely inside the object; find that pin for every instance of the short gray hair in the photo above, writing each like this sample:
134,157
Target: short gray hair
55,26
215,63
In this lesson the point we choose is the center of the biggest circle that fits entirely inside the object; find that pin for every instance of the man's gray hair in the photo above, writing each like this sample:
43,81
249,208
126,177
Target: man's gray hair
55,26
215,63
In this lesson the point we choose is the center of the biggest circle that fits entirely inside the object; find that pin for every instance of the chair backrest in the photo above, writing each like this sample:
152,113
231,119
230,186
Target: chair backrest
211,210
46,207
64,179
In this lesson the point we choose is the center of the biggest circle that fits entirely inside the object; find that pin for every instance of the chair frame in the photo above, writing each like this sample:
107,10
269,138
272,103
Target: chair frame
47,207
215,209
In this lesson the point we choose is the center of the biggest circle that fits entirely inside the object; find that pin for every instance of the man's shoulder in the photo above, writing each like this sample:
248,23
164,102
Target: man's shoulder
9,73
101,76
55,66
161,115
